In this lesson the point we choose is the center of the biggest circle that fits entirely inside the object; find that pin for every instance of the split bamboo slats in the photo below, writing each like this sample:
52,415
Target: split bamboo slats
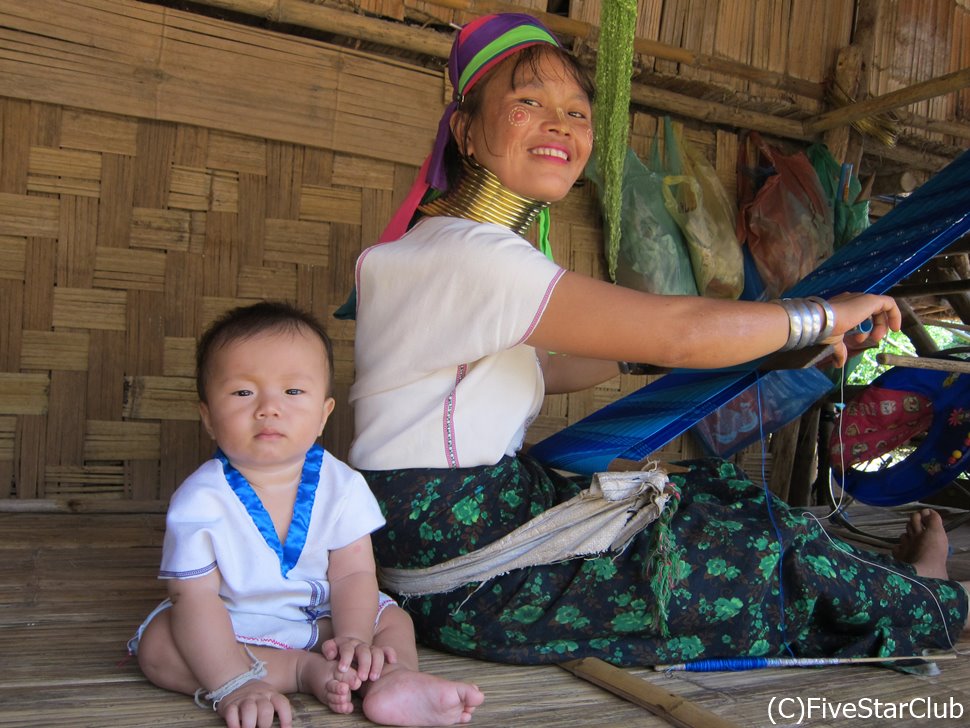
171,169
159,166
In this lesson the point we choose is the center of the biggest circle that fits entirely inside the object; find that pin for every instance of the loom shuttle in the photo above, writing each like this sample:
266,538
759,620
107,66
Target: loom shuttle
736,664
863,327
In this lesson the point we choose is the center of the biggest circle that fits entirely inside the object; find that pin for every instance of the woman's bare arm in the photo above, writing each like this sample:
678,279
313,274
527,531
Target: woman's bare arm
591,318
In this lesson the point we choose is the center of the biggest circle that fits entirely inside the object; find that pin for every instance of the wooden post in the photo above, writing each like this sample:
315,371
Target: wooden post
848,77
782,449
914,329
806,460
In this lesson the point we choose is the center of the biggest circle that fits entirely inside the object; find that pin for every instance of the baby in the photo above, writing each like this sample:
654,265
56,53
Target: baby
272,586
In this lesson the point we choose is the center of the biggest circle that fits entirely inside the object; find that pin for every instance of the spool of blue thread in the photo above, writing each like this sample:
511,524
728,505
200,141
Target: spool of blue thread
863,327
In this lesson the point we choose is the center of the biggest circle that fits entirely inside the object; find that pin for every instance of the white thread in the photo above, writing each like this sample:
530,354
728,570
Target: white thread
837,505
257,671
929,591
838,508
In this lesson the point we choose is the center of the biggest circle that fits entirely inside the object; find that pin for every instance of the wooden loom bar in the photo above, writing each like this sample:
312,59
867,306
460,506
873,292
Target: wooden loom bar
924,362
933,288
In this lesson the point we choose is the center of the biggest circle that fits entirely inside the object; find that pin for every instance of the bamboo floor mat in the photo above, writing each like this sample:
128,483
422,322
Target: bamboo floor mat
73,587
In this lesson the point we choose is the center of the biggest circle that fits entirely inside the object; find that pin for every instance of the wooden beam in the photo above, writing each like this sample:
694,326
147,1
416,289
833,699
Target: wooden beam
939,86
952,128
341,22
397,35
939,288
714,113
433,43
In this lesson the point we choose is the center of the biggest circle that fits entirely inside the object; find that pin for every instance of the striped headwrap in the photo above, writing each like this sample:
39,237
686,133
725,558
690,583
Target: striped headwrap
479,47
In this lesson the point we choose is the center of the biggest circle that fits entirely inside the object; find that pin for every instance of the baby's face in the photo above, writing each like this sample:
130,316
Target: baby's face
267,399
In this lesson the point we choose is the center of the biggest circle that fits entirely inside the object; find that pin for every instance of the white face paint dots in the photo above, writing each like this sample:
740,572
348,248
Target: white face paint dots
519,116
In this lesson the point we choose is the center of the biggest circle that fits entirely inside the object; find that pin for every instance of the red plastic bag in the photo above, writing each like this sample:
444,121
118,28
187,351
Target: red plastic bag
787,222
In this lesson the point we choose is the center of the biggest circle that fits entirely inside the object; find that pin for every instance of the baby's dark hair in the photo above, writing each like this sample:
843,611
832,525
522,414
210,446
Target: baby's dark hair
247,321
471,104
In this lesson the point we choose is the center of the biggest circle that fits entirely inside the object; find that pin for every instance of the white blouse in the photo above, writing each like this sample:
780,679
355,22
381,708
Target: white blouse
444,379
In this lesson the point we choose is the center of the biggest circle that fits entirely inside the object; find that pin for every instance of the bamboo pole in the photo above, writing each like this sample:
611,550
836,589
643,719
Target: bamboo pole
924,362
438,45
429,42
644,46
939,86
341,22
672,708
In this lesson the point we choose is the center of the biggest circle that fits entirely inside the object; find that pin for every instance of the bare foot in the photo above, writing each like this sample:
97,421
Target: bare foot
408,698
924,544
319,676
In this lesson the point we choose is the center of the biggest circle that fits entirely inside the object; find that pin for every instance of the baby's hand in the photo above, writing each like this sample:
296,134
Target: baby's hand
369,659
254,705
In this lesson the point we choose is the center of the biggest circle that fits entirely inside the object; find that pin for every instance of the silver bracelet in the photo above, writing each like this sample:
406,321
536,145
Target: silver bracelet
257,671
807,322
794,324
829,317
815,314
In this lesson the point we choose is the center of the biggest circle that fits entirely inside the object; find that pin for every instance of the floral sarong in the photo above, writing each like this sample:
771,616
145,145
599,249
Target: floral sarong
717,568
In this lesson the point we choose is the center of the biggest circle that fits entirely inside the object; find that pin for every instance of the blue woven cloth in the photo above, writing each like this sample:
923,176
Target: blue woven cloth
899,243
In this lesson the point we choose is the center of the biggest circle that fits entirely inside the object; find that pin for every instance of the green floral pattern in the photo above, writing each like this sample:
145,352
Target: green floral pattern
722,558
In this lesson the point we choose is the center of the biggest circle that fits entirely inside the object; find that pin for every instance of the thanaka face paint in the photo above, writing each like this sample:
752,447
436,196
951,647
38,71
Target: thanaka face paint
519,116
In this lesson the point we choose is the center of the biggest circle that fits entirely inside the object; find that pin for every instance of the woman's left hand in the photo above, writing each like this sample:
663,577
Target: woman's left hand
851,309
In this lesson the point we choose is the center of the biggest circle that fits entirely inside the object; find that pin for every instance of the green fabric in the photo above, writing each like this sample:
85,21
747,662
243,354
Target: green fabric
614,64
543,223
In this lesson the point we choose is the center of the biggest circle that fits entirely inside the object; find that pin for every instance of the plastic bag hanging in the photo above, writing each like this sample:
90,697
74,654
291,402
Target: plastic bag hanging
786,222
842,189
651,254
700,205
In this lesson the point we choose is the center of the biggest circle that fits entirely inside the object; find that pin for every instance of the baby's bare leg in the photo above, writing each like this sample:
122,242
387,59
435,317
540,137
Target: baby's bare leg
288,671
405,696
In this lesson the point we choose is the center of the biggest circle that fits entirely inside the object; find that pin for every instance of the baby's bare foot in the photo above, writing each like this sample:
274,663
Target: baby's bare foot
337,696
407,698
319,676
924,544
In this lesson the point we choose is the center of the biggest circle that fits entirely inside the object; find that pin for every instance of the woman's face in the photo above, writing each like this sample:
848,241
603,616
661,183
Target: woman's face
534,131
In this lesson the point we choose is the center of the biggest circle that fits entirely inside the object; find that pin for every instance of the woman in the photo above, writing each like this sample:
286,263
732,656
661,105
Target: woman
455,322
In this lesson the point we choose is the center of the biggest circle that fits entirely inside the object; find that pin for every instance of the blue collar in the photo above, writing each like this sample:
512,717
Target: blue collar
288,553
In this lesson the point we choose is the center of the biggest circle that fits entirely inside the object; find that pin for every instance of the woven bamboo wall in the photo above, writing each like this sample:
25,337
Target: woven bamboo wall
158,167
121,237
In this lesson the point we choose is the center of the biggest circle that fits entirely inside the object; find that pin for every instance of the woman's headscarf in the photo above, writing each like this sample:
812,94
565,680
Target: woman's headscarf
479,46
